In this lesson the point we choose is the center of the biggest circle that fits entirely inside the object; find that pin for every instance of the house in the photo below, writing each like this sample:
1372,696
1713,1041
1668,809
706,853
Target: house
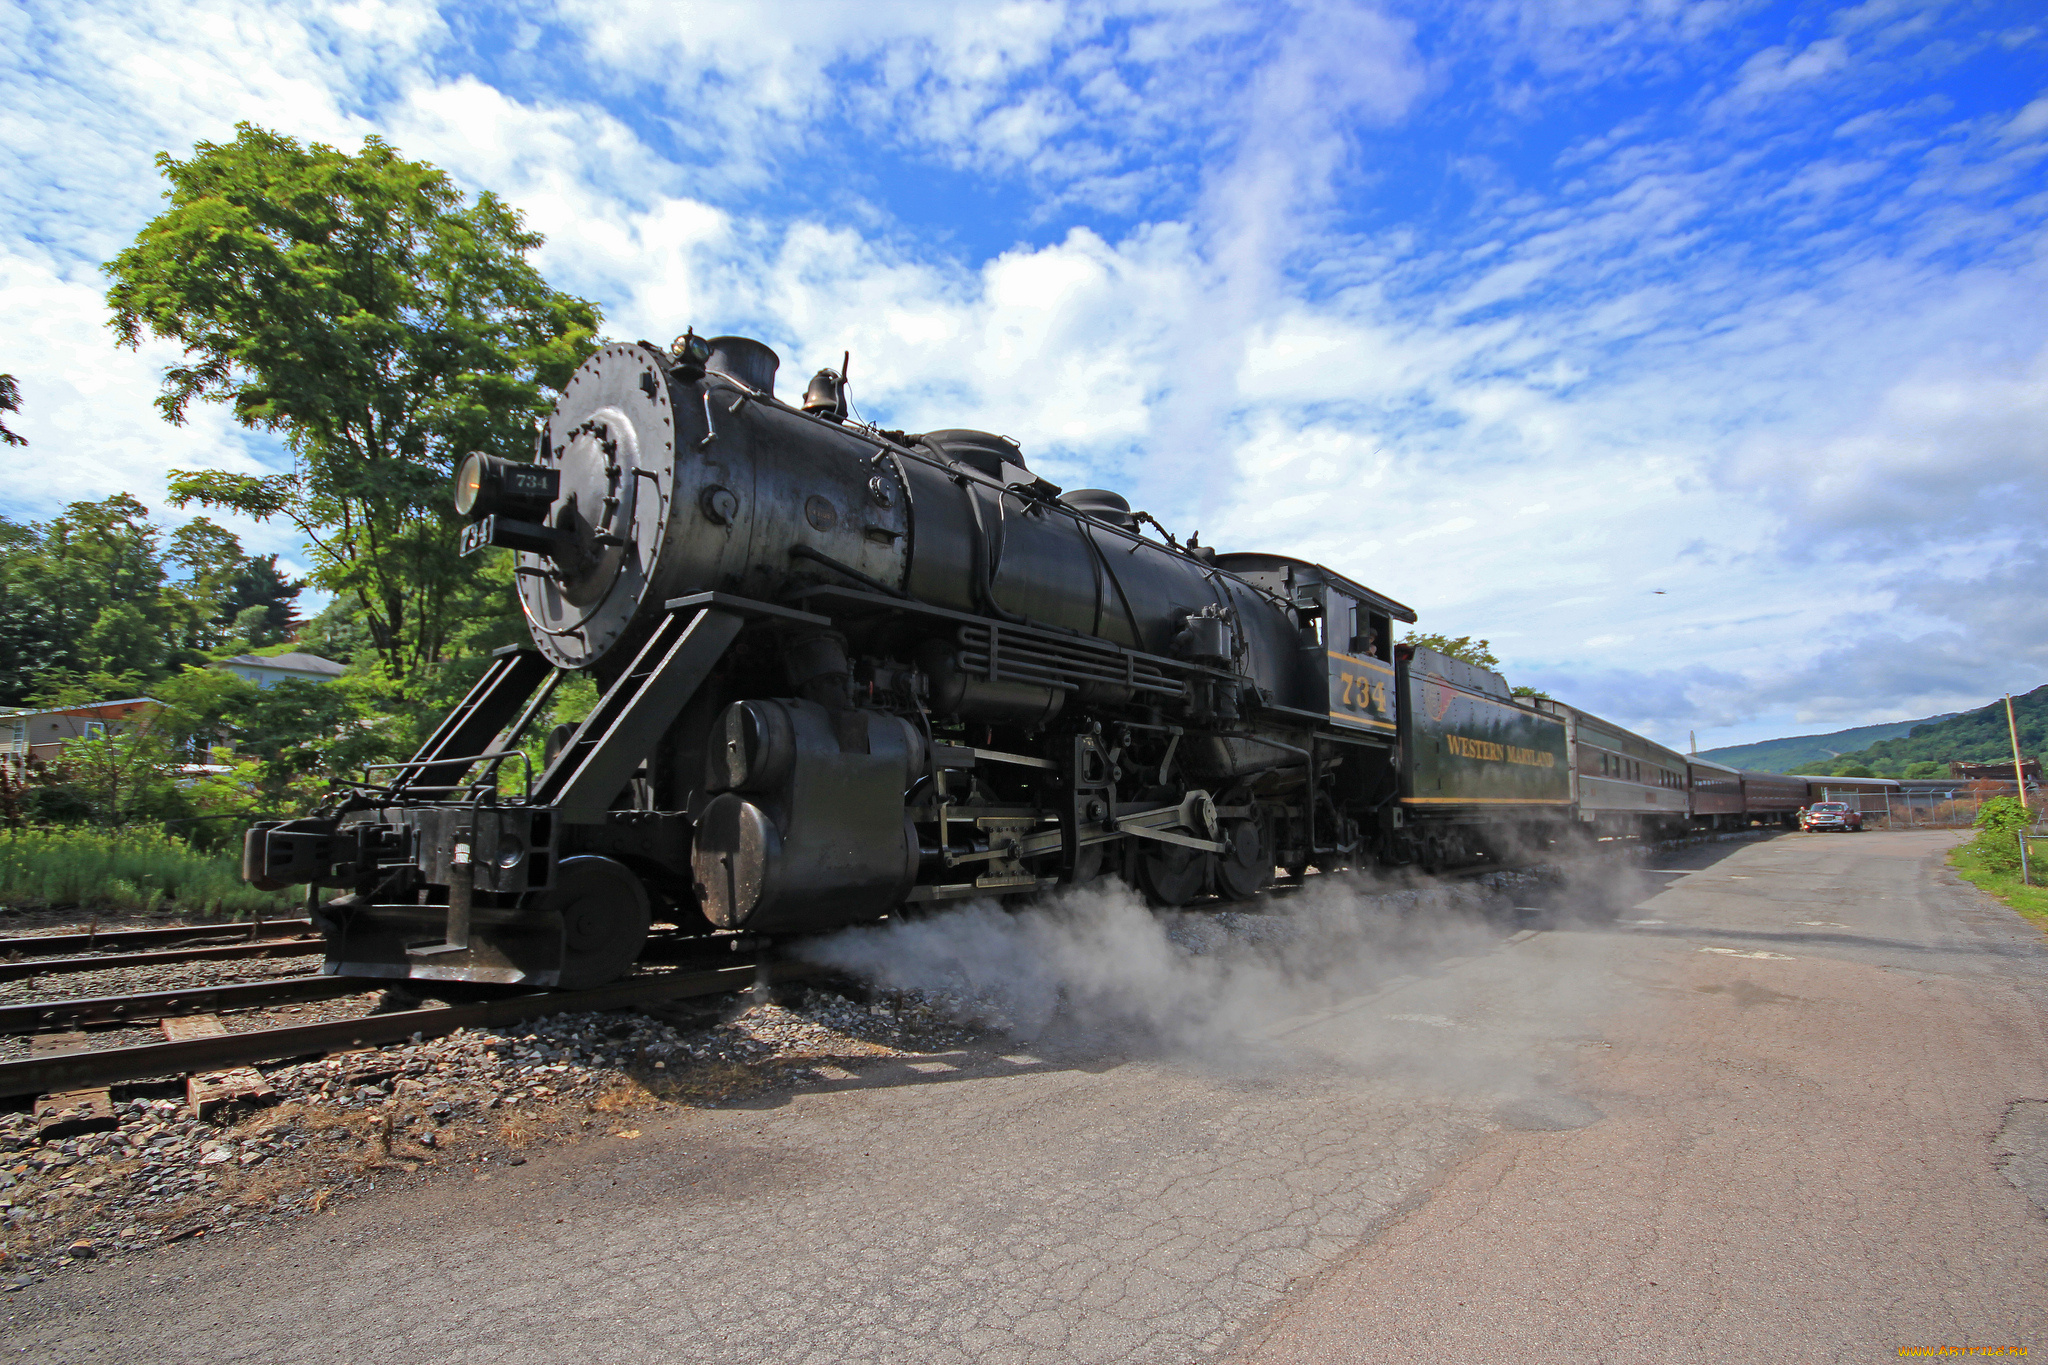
38,736
1995,772
267,671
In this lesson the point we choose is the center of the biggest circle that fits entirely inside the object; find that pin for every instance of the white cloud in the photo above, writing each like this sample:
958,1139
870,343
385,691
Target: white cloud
1776,69
2028,122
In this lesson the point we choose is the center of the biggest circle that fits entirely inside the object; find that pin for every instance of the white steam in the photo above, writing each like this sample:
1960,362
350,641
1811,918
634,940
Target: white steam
1097,965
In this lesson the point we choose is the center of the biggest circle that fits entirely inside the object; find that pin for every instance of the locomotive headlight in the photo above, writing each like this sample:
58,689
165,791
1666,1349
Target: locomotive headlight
487,485
469,482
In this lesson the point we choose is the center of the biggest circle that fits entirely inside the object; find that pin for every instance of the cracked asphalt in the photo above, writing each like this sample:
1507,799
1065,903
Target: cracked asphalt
1769,1114
1818,1143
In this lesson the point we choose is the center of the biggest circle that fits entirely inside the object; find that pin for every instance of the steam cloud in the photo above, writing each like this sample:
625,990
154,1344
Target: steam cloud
1097,966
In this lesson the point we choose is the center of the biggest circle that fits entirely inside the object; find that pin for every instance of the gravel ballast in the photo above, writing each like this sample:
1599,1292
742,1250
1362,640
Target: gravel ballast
473,1099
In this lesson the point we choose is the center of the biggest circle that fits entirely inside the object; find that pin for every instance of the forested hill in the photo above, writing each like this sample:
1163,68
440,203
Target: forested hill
1978,736
1914,748
1805,753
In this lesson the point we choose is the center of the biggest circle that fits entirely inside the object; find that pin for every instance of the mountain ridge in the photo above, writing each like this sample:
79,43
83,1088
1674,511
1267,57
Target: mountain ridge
1794,752
1979,735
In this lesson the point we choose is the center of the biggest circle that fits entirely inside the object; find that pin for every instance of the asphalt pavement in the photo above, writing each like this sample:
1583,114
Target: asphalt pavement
1787,1106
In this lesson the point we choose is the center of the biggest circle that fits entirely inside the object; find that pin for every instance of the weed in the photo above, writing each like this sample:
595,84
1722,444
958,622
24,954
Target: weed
127,869
1987,875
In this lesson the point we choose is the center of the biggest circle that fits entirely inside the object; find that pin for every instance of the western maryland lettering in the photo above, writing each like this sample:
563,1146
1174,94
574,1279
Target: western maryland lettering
1521,760
1486,751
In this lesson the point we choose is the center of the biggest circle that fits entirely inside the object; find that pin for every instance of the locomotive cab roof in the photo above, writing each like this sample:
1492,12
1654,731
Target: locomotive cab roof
1254,566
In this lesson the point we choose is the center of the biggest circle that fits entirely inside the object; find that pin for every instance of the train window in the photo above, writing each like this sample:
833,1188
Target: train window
1339,615
1380,635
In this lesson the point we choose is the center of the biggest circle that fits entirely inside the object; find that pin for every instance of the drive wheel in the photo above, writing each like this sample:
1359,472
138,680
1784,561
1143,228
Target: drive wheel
1244,869
1171,874
604,919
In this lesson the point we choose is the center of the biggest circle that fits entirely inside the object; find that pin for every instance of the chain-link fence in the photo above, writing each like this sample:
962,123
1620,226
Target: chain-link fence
1952,805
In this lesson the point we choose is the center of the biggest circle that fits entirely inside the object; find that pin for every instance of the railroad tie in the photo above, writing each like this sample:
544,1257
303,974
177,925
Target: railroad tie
67,1113
207,1091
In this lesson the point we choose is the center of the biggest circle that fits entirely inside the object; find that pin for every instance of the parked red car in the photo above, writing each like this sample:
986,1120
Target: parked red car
1827,815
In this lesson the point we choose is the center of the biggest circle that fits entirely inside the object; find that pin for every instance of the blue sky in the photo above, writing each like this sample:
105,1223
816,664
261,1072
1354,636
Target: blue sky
1520,312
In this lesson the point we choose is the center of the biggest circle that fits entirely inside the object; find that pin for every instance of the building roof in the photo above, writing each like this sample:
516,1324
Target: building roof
291,663
84,708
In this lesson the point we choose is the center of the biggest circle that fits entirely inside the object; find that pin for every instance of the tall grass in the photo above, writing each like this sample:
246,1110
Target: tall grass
128,869
2003,882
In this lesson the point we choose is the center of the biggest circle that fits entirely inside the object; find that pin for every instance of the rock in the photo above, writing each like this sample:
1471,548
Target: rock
83,1250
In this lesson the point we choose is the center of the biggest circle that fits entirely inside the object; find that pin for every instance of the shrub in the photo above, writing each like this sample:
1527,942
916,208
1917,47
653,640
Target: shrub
128,869
2000,823
56,805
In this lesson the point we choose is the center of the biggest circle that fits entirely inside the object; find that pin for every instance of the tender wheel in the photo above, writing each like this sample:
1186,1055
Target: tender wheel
1243,871
604,919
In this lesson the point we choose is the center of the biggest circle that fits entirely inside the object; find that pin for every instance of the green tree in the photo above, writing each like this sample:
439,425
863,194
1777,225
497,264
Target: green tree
1477,652
210,556
58,578
258,602
10,401
1926,768
123,641
32,646
1853,770
362,307
337,632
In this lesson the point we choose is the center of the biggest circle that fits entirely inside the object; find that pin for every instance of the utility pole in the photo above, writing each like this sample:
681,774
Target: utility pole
2019,780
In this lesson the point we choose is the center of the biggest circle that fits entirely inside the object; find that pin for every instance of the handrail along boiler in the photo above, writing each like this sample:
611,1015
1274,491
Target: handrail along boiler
847,672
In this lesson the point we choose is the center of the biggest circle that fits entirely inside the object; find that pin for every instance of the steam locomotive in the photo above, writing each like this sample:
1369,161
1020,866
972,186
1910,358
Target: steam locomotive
848,673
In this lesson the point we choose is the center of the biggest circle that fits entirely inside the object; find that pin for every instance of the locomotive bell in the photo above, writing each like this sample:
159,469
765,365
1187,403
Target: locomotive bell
826,397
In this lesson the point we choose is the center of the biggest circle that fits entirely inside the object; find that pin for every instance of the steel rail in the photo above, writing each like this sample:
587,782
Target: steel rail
36,1016
136,938
281,947
78,1070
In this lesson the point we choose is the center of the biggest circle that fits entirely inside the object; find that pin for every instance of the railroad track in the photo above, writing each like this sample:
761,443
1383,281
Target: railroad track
277,938
88,1067
57,966
92,940
42,1016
